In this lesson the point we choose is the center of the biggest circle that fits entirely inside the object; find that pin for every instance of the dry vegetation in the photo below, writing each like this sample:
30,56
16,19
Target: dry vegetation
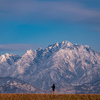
48,97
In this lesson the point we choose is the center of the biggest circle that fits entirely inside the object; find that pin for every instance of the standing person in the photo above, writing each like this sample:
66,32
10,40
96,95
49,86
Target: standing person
53,89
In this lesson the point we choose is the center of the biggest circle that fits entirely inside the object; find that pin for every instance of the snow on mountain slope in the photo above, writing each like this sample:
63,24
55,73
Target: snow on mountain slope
9,58
13,85
6,62
25,61
80,60
64,64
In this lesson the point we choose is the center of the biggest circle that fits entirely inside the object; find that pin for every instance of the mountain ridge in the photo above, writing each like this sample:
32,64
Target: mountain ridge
64,64
14,85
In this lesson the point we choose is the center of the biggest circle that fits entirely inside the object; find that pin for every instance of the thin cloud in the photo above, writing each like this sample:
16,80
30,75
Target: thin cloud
97,29
17,47
48,10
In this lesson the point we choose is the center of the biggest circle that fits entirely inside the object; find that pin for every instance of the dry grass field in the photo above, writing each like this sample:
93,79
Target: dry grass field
48,97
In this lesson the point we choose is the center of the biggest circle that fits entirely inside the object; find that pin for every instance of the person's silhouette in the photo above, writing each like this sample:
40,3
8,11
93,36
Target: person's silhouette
53,89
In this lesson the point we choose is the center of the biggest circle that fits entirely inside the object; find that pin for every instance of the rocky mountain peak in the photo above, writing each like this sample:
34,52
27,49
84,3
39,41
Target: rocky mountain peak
39,49
29,52
7,55
86,46
66,43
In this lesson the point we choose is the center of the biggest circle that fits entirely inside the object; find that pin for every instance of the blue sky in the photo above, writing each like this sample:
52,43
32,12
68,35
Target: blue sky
29,24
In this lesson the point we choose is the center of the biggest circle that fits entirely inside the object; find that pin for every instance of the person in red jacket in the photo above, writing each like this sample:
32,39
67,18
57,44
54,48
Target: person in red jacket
53,89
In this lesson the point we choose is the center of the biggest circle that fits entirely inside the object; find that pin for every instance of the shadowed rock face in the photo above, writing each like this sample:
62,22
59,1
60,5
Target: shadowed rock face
64,64
87,88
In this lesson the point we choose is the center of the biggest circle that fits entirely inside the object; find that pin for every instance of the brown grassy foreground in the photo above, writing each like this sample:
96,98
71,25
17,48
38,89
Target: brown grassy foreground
48,97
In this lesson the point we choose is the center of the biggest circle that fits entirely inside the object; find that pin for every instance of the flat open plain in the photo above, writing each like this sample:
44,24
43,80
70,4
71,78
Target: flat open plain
49,97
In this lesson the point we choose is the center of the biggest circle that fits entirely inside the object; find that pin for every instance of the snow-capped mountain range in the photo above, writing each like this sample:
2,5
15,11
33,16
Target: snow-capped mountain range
64,64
